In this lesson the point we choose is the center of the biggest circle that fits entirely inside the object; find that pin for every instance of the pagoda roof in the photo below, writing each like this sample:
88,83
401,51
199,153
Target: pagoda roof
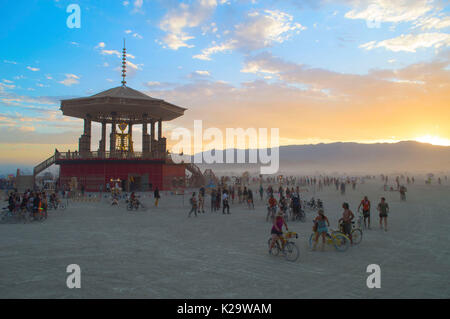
125,103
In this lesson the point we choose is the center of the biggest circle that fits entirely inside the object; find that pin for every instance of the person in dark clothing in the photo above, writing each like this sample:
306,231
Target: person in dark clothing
157,196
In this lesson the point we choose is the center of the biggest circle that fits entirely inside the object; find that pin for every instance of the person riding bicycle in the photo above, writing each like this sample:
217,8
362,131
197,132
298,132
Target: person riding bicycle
277,229
320,228
346,220
272,202
134,201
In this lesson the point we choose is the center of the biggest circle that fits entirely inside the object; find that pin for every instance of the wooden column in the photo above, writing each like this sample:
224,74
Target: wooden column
102,146
84,142
130,132
145,136
159,129
112,137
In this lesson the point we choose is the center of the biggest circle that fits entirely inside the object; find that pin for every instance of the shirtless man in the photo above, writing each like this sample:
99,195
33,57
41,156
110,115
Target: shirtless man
347,217
383,208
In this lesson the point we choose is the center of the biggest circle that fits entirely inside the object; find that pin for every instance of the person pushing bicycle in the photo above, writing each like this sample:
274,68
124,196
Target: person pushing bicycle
320,228
365,204
347,218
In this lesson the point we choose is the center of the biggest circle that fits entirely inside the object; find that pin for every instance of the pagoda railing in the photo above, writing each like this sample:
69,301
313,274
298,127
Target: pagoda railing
110,155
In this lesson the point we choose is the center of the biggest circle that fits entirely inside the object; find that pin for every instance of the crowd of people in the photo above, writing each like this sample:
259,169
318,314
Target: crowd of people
33,204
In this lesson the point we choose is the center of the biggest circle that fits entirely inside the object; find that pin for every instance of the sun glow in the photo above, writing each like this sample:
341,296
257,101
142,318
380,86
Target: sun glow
435,140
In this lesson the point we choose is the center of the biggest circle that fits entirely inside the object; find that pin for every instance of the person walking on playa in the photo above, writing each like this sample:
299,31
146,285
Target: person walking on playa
365,204
193,201
347,218
320,228
225,203
402,191
201,200
342,188
383,209
272,207
157,196
213,200
250,199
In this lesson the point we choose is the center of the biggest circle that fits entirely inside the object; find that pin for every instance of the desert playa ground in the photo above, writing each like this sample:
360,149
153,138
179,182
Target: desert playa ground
161,253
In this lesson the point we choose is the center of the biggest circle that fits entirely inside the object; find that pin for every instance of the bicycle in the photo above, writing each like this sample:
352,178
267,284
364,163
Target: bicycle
298,214
356,232
57,205
288,248
135,205
339,240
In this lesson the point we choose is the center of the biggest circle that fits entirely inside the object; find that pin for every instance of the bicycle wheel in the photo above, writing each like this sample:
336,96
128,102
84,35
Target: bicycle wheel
356,236
291,251
340,241
275,249
62,206
129,207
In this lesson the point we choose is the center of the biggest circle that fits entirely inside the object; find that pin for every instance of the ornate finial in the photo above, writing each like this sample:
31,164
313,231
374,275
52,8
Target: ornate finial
124,64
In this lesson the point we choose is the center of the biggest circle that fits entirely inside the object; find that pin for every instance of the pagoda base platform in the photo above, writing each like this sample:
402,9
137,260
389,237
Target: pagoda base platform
130,174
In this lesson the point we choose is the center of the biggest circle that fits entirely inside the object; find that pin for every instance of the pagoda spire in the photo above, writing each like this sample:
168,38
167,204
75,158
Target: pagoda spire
124,64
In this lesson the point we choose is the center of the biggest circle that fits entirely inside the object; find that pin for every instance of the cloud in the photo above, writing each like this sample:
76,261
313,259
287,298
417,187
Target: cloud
411,42
184,16
389,11
100,45
111,52
137,6
428,23
70,80
263,29
405,100
216,48
32,69
204,73
9,62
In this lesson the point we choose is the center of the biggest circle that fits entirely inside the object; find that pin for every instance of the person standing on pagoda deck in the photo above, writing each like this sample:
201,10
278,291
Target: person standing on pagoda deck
157,196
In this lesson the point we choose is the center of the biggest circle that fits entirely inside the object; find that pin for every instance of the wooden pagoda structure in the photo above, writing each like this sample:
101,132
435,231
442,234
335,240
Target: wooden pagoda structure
120,108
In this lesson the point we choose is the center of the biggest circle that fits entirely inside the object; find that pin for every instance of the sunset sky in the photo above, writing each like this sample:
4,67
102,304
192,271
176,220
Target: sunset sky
321,71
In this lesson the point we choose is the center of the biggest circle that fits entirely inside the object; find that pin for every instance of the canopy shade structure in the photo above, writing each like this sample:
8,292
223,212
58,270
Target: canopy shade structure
124,103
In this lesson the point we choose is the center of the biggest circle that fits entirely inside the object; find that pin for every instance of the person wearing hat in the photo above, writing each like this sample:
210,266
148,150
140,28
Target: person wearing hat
277,229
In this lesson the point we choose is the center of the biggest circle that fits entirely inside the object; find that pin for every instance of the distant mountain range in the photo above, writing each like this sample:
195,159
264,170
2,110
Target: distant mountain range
339,158
408,156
